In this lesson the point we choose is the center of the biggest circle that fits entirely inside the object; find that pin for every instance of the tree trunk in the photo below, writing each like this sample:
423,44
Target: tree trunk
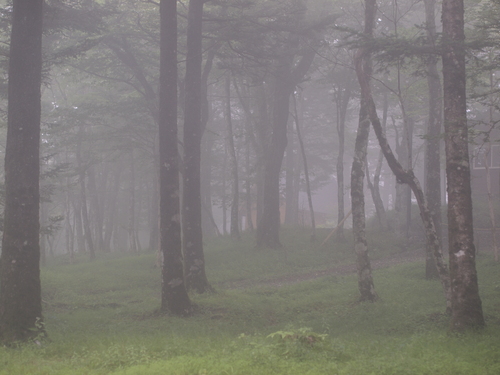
432,161
365,279
235,202
306,170
286,79
465,301
290,170
194,259
20,289
111,211
363,66
342,102
375,192
83,195
174,297
132,245
403,176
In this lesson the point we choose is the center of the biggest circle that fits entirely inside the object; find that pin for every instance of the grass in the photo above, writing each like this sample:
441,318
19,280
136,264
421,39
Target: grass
101,318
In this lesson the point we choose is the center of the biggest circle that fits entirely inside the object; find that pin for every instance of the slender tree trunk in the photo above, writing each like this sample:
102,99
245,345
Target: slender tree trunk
375,192
83,195
466,305
342,102
248,192
77,211
365,279
234,229
306,170
20,289
174,297
132,245
224,195
154,217
95,208
113,199
432,166
290,171
194,259
363,66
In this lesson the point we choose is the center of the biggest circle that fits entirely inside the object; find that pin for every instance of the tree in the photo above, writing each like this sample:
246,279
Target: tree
465,301
194,259
363,67
174,297
20,291
433,136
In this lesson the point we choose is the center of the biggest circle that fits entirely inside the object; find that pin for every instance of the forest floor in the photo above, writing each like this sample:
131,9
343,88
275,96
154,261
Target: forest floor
345,269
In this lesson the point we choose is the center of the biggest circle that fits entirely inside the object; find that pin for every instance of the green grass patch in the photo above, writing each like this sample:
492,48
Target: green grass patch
101,317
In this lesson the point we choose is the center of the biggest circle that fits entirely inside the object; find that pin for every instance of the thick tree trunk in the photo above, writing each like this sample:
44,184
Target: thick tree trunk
194,259
269,224
432,161
286,79
465,301
235,192
20,290
174,297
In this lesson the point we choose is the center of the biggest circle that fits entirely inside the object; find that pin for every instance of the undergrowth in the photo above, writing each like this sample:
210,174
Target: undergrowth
101,317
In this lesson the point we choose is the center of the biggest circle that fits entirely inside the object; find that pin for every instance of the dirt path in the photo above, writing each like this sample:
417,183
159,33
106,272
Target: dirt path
406,257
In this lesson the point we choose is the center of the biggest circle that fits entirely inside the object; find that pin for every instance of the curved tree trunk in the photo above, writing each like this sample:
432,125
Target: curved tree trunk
20,289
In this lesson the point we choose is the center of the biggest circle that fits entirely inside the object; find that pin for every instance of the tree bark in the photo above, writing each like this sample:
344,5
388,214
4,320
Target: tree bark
342,102
465,301
194,259
365,279
20,289
432,161
235,201
174,297
363,67
306,170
